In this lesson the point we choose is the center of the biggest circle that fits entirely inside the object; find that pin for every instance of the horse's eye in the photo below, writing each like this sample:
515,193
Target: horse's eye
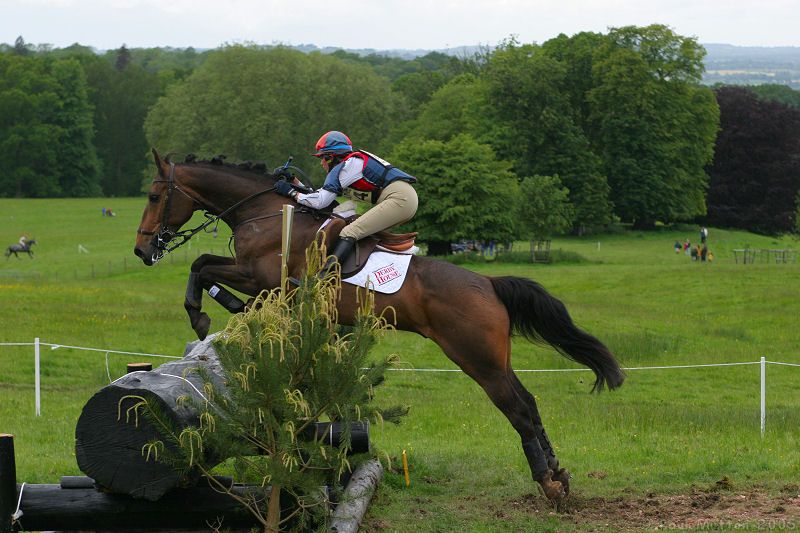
154,198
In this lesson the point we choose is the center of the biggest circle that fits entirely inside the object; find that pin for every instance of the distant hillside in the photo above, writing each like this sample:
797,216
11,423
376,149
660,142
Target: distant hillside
458,51
752,65
725,63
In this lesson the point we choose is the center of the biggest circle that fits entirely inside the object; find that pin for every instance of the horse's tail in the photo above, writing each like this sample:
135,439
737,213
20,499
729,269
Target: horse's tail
540,317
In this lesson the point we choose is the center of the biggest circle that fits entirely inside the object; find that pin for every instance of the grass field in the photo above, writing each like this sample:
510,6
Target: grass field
665,435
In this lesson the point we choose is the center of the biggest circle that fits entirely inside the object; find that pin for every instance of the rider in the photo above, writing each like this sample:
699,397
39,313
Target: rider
394,198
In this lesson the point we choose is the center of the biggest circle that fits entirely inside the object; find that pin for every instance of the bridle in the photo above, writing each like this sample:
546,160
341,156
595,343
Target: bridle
168,239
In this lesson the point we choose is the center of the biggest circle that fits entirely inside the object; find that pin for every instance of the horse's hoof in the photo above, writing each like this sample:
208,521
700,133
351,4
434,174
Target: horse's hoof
554,490
202,326
563,476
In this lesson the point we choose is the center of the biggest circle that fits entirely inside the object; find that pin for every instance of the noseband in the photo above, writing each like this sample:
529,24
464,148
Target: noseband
165,234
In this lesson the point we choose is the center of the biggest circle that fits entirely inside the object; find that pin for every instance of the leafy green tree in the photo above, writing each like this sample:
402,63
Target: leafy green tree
123,58
418,87
258,104
465,192
576,54
457,107
45,128
121,100
653,124
544,208
536,127
777,93
78,167
21,47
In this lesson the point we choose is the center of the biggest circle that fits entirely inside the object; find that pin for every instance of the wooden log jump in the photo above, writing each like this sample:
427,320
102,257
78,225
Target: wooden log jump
110,434
8,483
76,505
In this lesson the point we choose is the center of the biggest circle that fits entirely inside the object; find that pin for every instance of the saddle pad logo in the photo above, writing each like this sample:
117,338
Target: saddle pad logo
385,274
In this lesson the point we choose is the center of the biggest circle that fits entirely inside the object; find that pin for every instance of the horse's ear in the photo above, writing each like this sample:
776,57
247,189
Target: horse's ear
159,164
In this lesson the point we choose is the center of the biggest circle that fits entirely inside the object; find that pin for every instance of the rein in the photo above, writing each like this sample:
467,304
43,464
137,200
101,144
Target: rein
179,238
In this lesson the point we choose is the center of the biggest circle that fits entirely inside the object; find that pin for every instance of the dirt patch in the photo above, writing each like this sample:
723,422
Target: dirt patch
712,509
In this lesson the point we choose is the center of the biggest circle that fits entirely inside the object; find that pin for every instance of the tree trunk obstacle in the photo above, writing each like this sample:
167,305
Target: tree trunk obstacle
115,496
110,436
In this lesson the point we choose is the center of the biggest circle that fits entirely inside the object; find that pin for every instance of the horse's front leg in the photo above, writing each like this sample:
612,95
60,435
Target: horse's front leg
208,270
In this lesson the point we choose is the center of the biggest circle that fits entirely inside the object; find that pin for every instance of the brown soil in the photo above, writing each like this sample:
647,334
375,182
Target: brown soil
717,508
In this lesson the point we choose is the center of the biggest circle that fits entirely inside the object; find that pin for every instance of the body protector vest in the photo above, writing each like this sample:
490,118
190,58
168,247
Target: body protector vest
376,174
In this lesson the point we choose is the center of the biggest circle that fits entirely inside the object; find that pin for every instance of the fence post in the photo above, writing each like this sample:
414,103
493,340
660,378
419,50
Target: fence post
37,379
8,483
286,239
763,395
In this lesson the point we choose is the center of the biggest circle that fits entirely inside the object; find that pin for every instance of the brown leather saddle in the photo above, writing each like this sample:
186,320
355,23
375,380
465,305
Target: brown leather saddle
391,242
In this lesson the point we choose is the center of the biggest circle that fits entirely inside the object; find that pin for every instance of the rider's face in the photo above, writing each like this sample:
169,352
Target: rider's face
325,161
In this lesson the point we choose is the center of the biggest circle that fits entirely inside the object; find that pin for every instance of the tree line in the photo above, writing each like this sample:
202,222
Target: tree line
522,140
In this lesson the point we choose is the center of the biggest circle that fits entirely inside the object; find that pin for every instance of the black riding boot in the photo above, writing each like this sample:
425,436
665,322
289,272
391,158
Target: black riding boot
342,248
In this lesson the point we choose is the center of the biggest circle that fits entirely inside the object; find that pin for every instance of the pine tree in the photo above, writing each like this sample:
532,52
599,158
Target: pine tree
288,366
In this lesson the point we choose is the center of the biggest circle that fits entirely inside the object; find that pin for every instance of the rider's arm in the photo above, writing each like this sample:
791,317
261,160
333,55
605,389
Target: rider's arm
349,173
317,200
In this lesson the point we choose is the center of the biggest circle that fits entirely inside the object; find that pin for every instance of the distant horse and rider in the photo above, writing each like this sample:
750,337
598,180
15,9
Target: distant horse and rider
469,315
23,246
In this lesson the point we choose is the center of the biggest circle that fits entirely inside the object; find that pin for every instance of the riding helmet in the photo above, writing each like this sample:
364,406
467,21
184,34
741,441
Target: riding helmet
333,143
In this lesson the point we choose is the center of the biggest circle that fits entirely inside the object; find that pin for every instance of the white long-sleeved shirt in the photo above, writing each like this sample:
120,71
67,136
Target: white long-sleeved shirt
350,173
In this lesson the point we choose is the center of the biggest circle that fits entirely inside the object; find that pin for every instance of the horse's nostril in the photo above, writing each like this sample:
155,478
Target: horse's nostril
138,253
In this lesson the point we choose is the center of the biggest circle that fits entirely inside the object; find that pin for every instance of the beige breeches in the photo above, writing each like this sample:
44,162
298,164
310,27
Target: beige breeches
396,204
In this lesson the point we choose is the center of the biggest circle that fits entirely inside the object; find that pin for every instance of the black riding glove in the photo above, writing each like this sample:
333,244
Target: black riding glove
285,188
283,174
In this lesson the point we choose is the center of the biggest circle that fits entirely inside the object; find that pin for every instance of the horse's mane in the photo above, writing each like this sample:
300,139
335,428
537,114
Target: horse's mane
248,169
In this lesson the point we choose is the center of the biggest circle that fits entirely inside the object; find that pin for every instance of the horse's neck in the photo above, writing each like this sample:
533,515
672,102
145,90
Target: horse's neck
218,193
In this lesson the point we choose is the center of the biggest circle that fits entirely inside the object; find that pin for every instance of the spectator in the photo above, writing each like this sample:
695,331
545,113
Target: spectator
703,253
687,246
677,247
694,252
703,234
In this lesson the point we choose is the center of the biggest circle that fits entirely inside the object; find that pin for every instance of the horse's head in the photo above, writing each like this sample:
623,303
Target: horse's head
168,208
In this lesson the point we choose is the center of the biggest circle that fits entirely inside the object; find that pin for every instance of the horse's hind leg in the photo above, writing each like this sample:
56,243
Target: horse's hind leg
483,355
503,393
559,474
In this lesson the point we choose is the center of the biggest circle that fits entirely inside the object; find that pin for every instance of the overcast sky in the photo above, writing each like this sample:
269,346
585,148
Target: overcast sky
384,24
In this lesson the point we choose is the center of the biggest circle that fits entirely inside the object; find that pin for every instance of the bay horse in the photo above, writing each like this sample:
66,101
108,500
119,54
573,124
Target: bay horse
470,316
18,248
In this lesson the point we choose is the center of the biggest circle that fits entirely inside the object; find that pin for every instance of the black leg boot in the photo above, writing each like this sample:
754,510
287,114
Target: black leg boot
341,249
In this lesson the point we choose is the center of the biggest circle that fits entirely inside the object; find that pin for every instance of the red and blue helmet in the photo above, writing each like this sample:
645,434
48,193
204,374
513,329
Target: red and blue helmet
333,143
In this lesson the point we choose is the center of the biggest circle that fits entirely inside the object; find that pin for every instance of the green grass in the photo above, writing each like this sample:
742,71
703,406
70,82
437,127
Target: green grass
664,431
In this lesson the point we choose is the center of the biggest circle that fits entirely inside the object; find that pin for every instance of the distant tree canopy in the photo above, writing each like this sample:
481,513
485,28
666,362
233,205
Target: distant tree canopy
621,118
755,177
652,123
776,93
254,104
45,128
122,94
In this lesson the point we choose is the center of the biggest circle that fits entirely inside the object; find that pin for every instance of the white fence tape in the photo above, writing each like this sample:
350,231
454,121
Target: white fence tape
762,362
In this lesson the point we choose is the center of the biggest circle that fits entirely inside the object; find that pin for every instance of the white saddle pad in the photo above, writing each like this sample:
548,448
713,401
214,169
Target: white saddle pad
384,272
